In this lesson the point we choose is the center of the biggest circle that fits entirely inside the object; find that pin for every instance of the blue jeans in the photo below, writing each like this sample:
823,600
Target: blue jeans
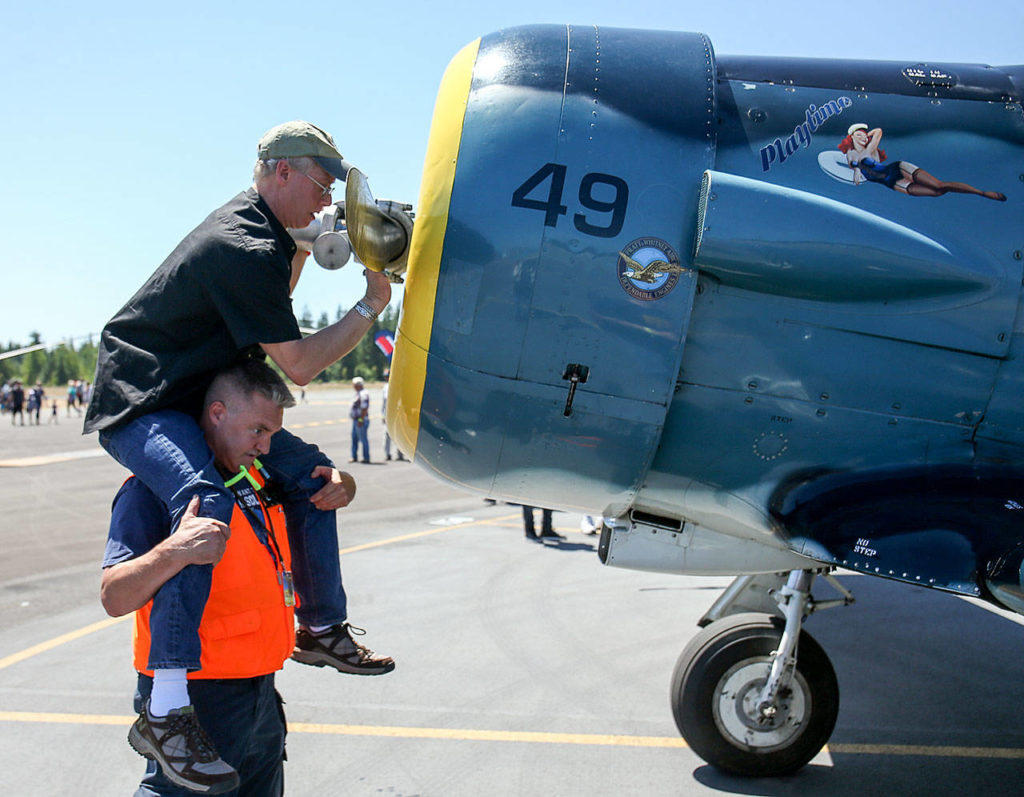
245,720
360,435
168,452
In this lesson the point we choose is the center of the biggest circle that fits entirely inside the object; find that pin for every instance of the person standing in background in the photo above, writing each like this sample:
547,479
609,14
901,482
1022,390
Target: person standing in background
360,414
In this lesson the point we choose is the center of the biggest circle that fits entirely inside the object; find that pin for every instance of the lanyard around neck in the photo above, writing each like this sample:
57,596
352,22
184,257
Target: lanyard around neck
243,473
265,521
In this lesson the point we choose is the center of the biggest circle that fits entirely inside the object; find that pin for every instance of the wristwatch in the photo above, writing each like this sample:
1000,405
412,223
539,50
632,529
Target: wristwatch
365,310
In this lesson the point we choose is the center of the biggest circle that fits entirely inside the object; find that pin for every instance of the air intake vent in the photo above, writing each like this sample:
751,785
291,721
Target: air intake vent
702,209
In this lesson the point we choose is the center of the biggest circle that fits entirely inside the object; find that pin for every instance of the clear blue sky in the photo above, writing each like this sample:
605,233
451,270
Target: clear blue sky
124,124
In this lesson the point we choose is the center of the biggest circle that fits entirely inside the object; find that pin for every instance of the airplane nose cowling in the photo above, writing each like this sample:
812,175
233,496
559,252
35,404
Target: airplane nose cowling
409,362
550,280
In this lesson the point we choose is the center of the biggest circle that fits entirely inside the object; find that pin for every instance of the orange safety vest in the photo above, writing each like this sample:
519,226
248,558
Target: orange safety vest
246,630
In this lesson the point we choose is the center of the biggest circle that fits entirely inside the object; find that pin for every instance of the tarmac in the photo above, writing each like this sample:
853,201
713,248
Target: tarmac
522,668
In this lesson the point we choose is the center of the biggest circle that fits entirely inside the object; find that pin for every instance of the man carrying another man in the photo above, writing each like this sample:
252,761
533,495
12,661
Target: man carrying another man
237,639
223,295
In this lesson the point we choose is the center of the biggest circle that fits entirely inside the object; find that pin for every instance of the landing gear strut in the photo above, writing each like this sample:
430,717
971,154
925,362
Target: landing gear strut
744,701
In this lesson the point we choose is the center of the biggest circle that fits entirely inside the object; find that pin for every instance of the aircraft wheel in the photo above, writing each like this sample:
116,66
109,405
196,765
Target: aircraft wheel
715,689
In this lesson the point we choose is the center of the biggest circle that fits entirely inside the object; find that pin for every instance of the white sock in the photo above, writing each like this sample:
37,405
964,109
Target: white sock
170,691
319,629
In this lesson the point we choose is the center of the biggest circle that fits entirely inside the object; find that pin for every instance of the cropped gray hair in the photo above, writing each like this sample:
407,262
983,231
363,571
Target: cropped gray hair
249,377
266,168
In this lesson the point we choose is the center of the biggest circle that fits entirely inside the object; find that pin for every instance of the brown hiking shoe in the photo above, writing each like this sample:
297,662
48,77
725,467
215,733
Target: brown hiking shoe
184,752
336,648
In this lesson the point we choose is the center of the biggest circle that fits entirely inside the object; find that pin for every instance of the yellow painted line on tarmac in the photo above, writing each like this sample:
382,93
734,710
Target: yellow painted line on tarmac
506,522
42,647
313,423
533,737
50,459
66,719
393,732
330,422
473,735
940,751
417,534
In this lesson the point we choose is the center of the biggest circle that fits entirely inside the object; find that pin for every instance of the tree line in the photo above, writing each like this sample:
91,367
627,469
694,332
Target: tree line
366,359
54,366
62,362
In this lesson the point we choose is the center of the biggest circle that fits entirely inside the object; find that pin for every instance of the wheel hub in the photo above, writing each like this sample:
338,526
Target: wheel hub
741,717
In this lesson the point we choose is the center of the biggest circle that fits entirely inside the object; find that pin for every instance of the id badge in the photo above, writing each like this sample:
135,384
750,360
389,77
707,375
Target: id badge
288,586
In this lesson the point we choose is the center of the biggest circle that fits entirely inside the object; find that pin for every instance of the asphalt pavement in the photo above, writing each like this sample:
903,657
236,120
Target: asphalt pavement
522,668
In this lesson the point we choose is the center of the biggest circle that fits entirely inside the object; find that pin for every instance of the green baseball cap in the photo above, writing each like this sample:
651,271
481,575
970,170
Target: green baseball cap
303,140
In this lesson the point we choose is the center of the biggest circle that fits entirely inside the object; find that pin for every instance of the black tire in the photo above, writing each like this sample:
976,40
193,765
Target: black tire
728,661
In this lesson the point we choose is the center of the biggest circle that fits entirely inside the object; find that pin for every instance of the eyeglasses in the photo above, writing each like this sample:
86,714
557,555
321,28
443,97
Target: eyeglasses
326,188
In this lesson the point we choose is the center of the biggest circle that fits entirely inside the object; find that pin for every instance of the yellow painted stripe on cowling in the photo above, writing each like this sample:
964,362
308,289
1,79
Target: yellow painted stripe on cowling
409,364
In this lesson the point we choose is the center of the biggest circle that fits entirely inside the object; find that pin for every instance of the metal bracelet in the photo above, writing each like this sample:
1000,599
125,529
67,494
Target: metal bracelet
365,310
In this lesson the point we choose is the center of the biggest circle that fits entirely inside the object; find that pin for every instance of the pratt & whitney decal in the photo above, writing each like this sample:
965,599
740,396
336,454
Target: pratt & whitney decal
648,268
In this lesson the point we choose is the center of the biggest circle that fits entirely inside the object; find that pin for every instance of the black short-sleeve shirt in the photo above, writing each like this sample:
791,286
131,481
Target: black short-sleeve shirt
223,290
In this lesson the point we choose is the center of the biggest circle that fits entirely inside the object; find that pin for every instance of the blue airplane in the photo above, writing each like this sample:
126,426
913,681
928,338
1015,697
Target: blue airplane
762,314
